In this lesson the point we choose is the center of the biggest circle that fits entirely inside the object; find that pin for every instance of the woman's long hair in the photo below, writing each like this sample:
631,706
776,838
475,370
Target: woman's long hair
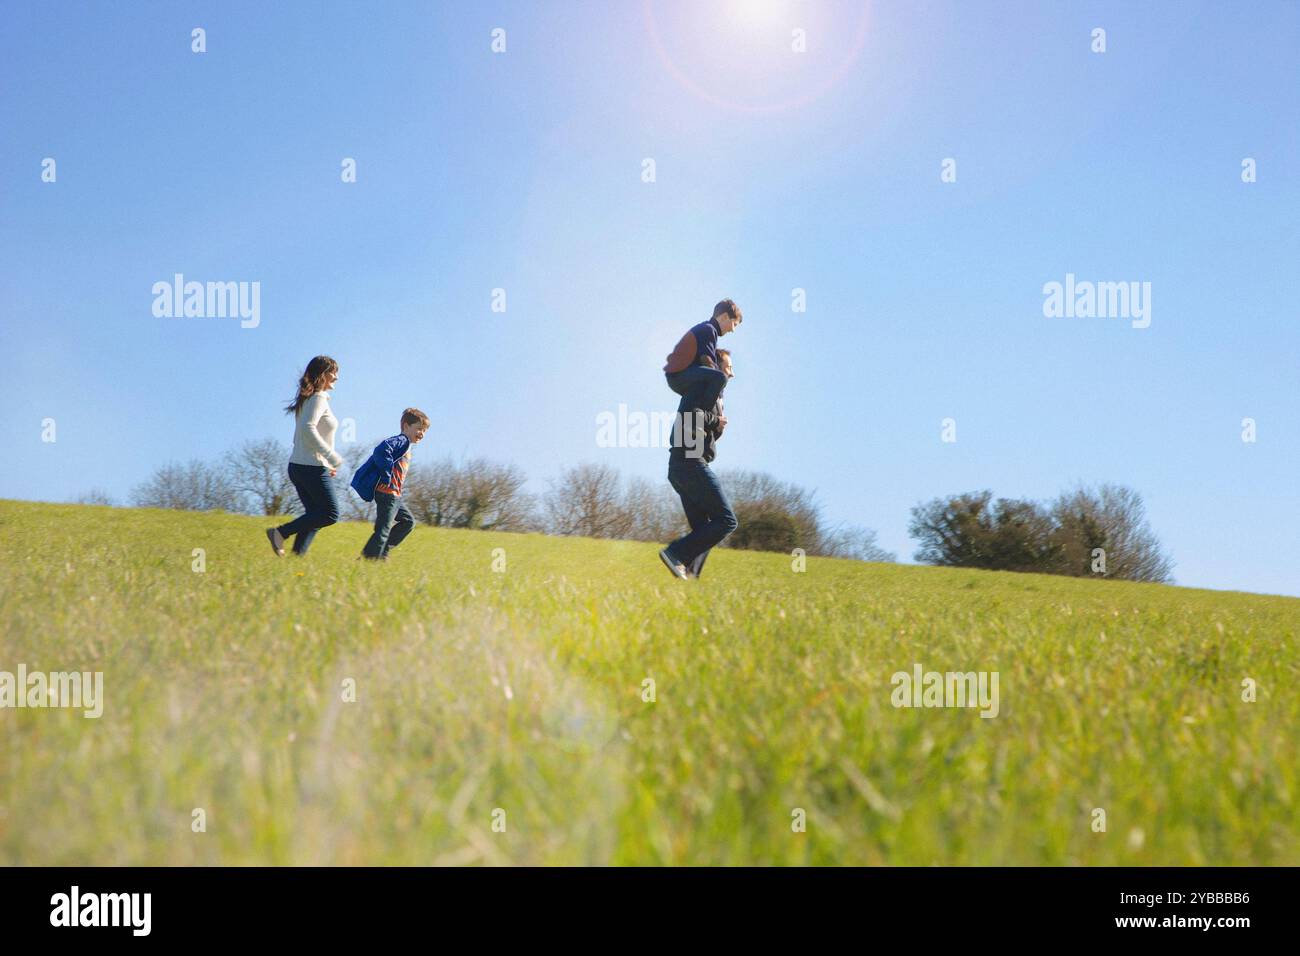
312,381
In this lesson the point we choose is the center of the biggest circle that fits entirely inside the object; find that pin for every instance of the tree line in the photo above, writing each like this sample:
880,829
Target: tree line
1084,532
588,500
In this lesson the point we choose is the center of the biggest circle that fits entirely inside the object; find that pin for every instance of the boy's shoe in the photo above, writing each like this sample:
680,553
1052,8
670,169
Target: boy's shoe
696,565
676,567
277,542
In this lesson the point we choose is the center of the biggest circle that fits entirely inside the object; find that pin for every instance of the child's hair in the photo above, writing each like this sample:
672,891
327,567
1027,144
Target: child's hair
727,307
413,416
722,352
312,381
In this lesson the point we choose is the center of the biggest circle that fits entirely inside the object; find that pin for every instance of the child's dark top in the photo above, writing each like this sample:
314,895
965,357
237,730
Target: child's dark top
699,343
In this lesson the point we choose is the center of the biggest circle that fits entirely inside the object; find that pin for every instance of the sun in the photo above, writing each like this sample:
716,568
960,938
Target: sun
756,14
742,54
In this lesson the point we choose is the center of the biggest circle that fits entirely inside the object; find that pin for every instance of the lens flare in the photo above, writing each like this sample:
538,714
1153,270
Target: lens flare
757,56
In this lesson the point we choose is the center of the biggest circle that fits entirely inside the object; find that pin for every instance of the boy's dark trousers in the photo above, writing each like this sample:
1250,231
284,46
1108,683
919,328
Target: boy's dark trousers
393,522
698,385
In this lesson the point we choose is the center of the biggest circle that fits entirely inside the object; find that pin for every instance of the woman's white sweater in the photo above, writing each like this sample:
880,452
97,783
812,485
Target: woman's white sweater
313,434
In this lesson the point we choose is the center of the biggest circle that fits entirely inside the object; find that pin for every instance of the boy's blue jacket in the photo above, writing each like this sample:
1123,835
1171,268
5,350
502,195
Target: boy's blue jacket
379,466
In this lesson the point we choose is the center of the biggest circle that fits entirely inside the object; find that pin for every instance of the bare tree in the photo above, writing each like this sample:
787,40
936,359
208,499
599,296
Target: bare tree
773,515
477,494
1108,523
586,500
95,496
195,486
853,542
433,491
259,471
655,511
492,498
351,507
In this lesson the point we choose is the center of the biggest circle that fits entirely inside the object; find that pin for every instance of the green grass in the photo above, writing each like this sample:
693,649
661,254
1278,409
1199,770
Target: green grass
522,690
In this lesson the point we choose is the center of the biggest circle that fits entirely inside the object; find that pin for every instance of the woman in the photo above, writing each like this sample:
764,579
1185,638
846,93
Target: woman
314,462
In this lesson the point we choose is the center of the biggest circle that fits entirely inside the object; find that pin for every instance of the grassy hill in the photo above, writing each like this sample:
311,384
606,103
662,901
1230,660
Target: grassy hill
522,691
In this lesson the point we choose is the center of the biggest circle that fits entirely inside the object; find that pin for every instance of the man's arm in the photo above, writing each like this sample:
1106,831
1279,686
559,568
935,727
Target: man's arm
682,355
712,421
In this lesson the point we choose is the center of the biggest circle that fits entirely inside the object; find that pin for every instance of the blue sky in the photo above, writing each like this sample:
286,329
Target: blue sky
774,170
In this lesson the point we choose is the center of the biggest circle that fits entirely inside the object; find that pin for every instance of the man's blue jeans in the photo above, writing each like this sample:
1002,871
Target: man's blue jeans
393,522
698,385
707,509
315,489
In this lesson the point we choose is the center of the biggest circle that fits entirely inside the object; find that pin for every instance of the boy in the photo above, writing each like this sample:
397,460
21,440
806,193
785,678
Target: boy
380,479
708,511
692,369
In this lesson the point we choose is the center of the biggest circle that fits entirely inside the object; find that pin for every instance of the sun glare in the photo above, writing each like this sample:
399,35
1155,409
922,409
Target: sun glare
756,14
757,55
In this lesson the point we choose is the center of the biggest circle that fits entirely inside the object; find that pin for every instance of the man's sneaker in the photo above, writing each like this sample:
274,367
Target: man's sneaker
676,567
277,542
696,565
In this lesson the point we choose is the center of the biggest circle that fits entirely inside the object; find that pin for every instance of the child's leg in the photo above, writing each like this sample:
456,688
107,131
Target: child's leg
403,522
385,512
698,385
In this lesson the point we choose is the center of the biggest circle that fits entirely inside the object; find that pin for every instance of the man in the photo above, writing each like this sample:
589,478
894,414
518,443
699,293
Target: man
695,436
693,369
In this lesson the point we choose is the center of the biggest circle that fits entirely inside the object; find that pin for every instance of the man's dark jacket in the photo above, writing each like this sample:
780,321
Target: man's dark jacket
696,435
